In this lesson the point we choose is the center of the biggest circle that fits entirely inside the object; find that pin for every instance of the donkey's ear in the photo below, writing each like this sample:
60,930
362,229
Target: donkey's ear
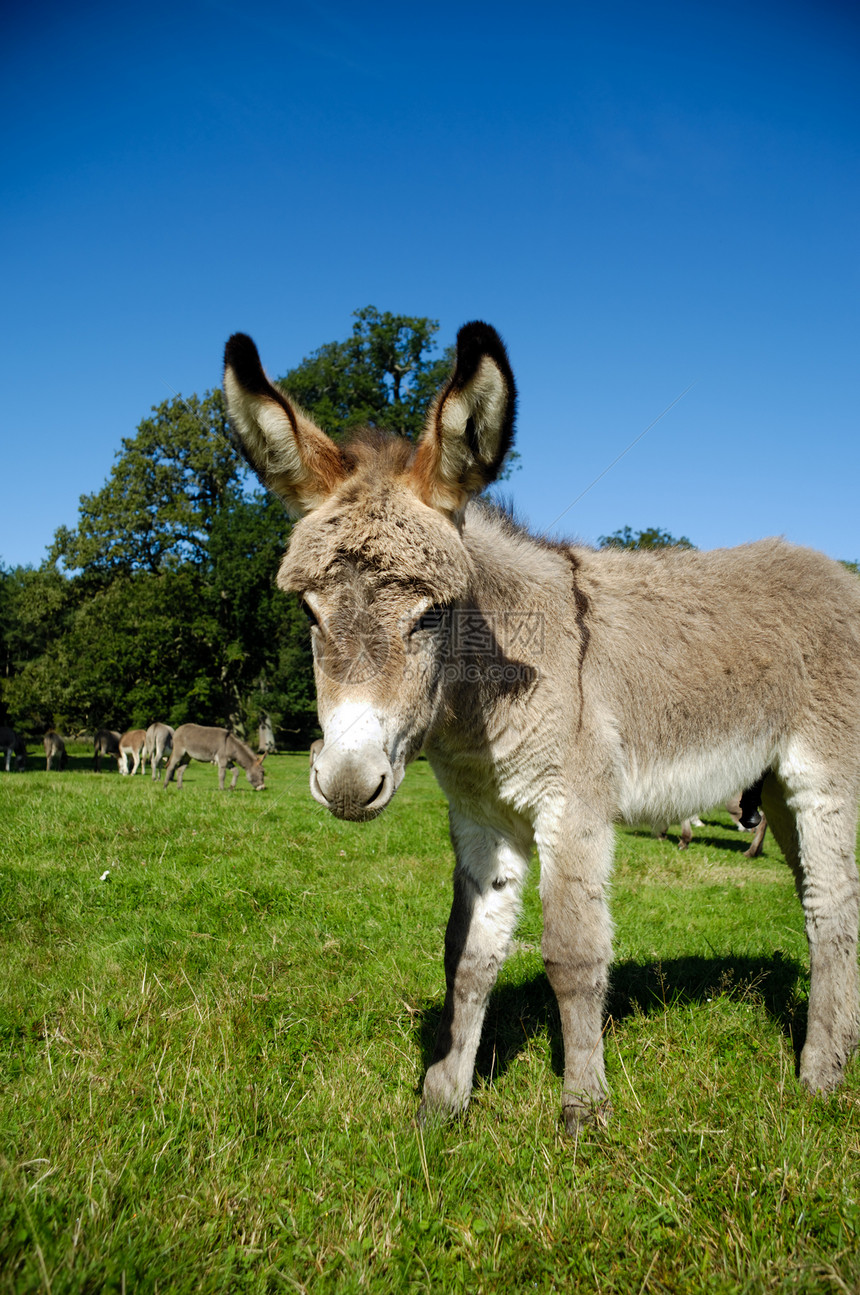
288,452
470,426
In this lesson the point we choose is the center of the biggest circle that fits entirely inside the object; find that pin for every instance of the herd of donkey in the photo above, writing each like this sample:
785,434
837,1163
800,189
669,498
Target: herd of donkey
136,747
154,744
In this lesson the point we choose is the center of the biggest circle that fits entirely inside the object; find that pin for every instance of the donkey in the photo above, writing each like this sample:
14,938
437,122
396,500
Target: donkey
55,751
131,744
557,690
216,746
13,745
159,743
106,742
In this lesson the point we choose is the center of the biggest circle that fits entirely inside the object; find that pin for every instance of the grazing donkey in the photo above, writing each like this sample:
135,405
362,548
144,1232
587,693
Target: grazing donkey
15,746
132,744
106,742
215,746
159,743
557,690
55,751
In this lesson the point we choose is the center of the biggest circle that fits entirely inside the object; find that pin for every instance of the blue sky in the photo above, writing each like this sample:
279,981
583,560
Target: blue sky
639,197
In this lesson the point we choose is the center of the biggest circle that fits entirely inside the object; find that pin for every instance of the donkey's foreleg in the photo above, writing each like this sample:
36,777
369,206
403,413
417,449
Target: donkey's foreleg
577,948
816,832
488,883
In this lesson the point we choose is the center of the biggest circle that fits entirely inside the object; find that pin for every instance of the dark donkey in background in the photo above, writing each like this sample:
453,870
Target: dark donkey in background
13,745
214,746
556,691
106,742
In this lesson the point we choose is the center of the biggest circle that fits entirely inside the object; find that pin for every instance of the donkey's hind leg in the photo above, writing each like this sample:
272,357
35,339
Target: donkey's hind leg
488,880
816,831
175,759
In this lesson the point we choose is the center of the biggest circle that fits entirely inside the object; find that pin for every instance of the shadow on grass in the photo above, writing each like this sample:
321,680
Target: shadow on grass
78,760
735,842
520,1012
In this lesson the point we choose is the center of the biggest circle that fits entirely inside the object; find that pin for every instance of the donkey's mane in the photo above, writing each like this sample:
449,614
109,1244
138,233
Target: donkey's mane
384,450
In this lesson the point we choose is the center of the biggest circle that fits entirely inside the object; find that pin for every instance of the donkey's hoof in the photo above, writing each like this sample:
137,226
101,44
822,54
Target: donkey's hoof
820,1077
432,1115
584,1114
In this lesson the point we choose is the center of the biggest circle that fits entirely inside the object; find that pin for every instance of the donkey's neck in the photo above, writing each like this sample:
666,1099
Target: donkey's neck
514,571
239,752
520,596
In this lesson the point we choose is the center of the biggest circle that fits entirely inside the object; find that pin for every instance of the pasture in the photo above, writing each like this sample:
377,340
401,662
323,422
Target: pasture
211,1060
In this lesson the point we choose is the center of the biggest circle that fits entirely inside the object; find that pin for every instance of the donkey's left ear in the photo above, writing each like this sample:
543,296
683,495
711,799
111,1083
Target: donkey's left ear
470,427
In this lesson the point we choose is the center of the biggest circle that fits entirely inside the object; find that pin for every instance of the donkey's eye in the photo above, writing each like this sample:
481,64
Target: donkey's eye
306,608
429,620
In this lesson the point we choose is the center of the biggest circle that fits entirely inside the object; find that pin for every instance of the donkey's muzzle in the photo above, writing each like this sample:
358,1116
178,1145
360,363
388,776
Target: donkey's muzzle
355,785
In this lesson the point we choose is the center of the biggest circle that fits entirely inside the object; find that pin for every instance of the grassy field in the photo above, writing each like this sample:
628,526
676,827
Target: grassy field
210,1061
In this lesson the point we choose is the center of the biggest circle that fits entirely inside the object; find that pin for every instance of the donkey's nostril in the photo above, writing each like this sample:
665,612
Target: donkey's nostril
378,792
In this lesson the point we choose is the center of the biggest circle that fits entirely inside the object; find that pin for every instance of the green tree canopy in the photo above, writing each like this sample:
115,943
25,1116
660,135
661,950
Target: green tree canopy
651,538
165,490
384,375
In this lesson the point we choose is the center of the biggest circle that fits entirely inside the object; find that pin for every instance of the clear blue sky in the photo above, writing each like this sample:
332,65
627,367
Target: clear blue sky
639,197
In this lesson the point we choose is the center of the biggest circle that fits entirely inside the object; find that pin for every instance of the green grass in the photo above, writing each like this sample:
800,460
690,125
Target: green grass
210,1061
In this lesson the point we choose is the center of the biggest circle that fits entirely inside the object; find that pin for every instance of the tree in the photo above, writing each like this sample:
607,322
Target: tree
36,605
266,664
383,375
651,538
163,494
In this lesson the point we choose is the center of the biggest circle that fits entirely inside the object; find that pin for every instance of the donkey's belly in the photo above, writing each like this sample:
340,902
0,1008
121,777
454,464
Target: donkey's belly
656,789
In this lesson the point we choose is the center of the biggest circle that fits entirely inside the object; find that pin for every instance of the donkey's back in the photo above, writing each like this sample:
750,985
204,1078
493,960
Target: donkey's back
201,742
706,669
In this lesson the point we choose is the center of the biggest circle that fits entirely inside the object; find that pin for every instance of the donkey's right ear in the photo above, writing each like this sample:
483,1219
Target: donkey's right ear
288,452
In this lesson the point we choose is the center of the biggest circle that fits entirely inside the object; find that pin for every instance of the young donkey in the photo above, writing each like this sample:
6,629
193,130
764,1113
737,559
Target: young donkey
557,690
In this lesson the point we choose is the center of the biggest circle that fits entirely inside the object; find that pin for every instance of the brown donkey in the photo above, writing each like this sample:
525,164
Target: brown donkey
131,746
556,691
